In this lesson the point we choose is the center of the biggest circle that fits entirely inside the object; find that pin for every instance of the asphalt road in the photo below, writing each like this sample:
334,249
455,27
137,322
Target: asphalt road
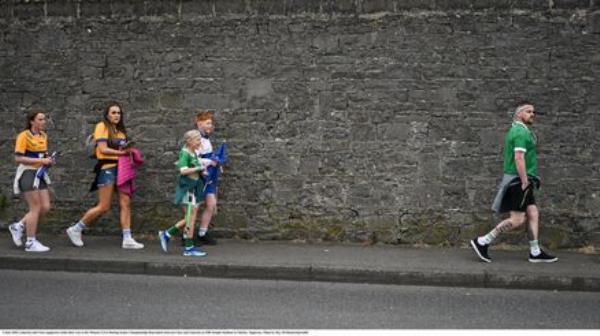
50,300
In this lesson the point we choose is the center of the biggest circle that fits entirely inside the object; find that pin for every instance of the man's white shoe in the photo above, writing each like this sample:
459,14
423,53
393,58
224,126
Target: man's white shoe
17,234
130,243
75,237
36,246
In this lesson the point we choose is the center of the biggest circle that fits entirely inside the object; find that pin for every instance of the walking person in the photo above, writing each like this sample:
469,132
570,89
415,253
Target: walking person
516,190
31,155
189,192
205,123
111,140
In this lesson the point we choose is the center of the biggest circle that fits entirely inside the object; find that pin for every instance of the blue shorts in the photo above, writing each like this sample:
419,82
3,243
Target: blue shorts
210,189
107,176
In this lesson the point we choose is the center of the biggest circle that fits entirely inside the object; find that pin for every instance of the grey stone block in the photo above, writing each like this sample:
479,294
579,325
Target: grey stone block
303,6
64,8
28,9
571,4
594,23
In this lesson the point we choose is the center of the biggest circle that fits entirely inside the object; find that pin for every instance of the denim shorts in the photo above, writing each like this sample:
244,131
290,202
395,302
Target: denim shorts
107,176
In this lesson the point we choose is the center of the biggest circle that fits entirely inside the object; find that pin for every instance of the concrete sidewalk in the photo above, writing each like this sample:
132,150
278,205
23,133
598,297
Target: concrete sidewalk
313,262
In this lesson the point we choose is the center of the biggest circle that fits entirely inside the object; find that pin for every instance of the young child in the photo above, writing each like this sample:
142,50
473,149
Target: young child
189,192
205,124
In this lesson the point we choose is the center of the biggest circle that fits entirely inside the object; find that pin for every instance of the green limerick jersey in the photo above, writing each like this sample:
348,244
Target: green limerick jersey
188,184
520,138
187,159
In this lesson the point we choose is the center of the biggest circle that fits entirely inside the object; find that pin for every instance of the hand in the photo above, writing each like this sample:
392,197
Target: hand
214,163
47,161
524,185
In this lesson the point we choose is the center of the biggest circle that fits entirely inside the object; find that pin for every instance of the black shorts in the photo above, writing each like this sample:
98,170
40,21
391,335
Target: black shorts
26,181
517,199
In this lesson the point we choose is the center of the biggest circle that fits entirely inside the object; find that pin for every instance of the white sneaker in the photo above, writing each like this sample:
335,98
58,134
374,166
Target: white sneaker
130,243
35,246
75,237
16,233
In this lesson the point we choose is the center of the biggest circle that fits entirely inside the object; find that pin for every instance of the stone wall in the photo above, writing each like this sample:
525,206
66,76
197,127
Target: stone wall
349,120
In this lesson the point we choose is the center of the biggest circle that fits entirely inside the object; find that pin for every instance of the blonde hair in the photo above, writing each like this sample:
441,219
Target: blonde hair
190,135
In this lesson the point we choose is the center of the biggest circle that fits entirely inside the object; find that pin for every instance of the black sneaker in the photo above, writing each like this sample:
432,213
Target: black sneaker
207,239
481,250
542,257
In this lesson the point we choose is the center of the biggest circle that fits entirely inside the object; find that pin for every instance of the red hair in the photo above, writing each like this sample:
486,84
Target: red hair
202,115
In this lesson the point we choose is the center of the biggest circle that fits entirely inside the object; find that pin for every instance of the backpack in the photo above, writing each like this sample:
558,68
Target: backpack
90,147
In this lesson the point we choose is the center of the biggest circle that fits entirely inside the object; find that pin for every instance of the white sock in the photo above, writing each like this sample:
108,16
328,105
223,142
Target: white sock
79,226
20,225
30,240
202,232
534,248
126,233
487,239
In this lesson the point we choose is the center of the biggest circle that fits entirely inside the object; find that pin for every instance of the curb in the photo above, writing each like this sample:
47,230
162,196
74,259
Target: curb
308,273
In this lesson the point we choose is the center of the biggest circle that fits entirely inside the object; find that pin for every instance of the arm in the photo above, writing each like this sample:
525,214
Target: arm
104,149
186,163
521,168
101,136
208,162
189,171
30,161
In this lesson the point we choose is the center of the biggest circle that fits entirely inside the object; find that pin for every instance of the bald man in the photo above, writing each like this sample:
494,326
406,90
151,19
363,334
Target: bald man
516,191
